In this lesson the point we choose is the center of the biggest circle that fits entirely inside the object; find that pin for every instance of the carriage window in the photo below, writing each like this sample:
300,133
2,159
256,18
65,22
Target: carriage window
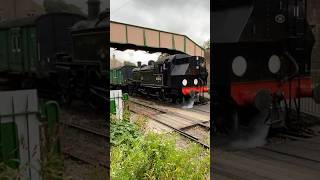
18,45
13,43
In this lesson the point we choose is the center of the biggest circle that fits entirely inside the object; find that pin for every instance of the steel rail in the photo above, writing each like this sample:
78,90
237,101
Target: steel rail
88,130
288,154
173,113
178,131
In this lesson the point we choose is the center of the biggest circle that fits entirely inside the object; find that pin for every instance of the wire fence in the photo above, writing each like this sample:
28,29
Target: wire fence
308,105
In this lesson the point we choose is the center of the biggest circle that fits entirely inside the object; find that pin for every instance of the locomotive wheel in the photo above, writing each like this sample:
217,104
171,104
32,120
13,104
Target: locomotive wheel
162,96
131,90
259,123
227,123
235,122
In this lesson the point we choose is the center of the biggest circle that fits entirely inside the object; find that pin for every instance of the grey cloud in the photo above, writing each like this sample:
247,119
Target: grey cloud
190,17
171,3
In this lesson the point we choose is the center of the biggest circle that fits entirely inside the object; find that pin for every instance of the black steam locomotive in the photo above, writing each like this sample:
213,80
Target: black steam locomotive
63,55
83,74
261,61
176,77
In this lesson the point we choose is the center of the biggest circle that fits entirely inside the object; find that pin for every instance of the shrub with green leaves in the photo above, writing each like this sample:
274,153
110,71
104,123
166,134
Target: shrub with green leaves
154,156
123,132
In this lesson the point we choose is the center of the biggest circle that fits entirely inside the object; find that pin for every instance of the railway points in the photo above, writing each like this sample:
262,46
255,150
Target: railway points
286,159
189,124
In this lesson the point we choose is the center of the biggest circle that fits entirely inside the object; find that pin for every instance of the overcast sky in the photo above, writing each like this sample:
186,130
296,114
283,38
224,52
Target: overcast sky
189,17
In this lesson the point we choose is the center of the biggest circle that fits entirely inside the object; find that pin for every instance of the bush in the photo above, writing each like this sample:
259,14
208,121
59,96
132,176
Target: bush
154,156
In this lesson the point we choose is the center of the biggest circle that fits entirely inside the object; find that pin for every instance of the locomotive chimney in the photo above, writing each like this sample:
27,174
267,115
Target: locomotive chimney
93,9
151,63
139,63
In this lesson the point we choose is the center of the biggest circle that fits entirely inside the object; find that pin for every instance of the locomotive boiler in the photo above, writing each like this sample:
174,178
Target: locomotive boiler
261,62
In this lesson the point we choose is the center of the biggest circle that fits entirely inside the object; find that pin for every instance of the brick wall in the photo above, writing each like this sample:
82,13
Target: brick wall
313,14
313,11
10,9
207,57
315,56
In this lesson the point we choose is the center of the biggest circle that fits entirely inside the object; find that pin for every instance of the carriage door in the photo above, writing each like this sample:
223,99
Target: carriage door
15,61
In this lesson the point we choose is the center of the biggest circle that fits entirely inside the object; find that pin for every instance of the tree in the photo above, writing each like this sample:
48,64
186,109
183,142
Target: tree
60,6
128,63
162,56
206,44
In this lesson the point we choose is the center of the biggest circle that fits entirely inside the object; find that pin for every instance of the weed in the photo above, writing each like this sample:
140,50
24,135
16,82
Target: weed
123,132
153,156
141,122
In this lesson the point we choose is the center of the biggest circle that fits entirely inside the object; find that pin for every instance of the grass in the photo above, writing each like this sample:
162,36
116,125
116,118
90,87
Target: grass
139,155
51,164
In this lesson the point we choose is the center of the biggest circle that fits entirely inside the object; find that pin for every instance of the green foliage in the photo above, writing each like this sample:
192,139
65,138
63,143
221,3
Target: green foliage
163,55
141,122
153,156
51,168
123,132
6,172
206,44
61,6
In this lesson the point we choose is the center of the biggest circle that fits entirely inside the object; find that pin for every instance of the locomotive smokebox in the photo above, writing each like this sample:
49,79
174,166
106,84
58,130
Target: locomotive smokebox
261,99
93,9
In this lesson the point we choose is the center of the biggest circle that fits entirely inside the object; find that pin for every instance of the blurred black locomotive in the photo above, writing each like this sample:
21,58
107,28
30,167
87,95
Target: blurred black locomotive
261,61
83,74
176,77
63,55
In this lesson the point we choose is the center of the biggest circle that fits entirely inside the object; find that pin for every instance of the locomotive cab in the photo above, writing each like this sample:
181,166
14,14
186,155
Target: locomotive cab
261,62
188,75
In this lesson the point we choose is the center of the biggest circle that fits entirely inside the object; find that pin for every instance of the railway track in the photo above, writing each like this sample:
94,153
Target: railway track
82,152
86,129
152,111
288,154
172,113
84,160
293,158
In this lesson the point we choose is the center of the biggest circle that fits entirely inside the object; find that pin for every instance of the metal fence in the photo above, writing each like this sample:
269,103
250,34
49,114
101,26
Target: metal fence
24,127
308,105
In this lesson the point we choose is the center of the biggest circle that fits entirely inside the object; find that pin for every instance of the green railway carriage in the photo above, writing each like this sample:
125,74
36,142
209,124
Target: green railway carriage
120,77
30,45
18,46
116,77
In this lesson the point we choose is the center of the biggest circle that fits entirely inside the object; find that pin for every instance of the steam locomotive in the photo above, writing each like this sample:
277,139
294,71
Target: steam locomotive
261,62
177,77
